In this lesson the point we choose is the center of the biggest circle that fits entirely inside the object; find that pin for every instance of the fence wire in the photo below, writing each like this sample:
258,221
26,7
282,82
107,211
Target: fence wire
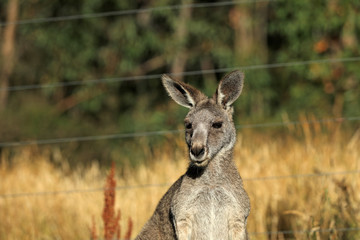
164,132
127,187
293,232
188,73
312,231
130,12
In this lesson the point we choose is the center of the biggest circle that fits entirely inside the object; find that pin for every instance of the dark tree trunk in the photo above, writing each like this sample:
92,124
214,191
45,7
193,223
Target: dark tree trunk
7,51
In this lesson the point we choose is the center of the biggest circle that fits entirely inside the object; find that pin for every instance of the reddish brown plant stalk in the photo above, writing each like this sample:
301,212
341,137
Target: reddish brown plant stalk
111,221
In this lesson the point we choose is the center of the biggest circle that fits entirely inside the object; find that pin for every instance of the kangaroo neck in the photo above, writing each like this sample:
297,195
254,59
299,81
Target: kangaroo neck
222,162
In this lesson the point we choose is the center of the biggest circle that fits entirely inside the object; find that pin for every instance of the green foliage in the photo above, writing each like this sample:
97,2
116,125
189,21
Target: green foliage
317,30
147,43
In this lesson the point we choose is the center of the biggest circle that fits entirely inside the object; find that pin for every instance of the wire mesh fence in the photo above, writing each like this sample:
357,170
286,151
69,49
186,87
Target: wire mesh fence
165,132
160,185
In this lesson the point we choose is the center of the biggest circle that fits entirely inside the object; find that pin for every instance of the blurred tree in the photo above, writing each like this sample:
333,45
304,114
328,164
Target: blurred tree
250,48
181,37
7,56
301,30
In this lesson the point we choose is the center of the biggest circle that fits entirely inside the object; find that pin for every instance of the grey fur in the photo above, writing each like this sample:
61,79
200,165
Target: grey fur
208,202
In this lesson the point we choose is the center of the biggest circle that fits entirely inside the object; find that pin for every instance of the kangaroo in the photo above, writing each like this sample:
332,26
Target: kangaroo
208,202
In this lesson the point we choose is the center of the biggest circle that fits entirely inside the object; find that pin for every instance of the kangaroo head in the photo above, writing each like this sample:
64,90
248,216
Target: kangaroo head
209,127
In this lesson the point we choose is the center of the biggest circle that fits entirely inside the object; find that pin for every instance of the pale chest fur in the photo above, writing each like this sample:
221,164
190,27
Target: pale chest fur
208,210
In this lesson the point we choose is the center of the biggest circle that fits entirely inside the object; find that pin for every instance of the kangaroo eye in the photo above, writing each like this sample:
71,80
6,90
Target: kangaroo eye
188,125
217,125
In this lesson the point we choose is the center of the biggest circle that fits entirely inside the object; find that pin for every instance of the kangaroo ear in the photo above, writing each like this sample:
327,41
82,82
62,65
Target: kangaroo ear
182,93
229,89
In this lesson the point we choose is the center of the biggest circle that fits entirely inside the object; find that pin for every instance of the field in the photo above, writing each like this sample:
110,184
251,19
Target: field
317,196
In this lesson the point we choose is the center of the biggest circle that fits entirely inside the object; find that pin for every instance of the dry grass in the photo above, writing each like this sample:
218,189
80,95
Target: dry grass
304,203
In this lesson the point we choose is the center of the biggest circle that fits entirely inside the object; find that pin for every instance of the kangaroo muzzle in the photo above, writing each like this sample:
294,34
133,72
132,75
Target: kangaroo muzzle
198,144
197,150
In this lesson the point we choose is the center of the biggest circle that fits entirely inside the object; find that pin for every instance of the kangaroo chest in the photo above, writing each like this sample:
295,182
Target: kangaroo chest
208,209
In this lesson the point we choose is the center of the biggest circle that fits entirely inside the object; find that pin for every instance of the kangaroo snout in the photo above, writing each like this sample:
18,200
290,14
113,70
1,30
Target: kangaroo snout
198,143
197,150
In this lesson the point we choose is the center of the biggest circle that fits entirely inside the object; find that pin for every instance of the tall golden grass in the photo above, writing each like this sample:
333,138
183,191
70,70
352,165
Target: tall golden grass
312,207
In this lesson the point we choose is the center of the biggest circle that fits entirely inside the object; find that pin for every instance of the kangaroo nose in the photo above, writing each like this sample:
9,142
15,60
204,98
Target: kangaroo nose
197,150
